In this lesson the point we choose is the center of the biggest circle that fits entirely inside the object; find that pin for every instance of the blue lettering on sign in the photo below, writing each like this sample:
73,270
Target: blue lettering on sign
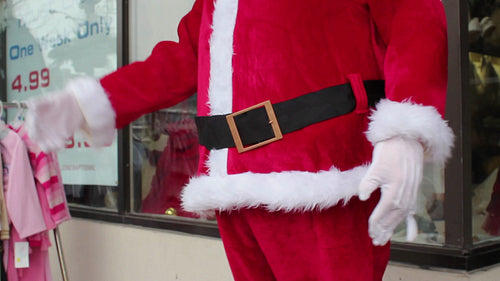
18,52
86,28
47,41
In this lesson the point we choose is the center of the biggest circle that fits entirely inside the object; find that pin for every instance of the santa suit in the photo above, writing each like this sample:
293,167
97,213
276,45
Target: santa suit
288,210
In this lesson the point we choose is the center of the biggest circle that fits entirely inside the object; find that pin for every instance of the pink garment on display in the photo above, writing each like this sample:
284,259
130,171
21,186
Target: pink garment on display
25,213
48,182
39,261
23,206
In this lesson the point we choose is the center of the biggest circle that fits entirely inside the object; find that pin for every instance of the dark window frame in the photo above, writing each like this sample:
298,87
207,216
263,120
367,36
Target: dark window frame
458,252
124,214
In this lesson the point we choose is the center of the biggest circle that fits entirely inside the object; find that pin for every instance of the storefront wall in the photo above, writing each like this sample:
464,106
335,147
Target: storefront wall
96,250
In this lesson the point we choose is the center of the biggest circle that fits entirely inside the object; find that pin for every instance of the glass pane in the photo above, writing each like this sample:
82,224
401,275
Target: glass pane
484,57
429,212
164,156
49,42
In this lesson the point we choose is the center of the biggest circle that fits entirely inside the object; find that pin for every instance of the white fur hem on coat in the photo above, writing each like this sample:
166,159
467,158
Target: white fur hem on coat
97,110
286,191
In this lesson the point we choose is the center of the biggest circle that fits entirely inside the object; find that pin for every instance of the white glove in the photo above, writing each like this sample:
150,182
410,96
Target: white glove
396,168
83,105
52,119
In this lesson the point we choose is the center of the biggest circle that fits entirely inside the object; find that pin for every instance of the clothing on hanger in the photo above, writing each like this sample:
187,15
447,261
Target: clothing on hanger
34,199
23,206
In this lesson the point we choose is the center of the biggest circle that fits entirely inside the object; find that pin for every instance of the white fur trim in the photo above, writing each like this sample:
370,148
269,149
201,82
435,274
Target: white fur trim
217,162
220,90
414,121
285,191
97,110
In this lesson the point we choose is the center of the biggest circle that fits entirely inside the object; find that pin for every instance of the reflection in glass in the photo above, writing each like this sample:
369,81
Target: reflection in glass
429,211
48,43
484,57
165,156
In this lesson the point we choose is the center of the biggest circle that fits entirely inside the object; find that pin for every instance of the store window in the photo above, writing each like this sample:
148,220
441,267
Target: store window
484,58
164,157
47,43
429,213
44,43
138,179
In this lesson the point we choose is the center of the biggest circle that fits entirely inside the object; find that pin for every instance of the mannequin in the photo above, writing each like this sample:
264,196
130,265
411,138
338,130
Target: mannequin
337,169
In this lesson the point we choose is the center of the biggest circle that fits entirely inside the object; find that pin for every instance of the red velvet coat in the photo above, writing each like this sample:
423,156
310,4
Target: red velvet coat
235,54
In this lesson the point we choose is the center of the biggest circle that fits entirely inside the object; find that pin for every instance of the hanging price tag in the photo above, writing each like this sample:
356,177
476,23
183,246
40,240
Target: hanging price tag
21,254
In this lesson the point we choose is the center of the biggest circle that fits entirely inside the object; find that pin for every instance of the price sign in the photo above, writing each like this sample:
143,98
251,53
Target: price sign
49,42
35,79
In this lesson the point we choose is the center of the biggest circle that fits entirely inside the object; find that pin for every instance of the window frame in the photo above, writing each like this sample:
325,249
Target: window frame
124,212
458,252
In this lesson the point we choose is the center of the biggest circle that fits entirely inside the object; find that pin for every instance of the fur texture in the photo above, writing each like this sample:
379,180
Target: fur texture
96,109
413,121
220,91
235,54
286,191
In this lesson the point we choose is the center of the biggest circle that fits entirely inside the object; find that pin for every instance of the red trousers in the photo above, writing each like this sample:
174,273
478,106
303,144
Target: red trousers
304,246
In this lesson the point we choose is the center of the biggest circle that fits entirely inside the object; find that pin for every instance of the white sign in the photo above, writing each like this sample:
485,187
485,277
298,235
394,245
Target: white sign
50,42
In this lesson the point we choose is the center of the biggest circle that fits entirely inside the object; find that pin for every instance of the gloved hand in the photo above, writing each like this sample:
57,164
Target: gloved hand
52,119
83,105
397,168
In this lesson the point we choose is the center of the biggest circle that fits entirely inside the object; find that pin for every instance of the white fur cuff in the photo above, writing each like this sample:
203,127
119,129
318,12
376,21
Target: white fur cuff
414,121
97,110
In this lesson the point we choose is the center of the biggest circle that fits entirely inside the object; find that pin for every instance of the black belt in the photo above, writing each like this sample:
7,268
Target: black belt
266,122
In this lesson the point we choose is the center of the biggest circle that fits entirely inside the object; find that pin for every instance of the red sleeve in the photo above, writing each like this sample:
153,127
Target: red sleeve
166,77
416,51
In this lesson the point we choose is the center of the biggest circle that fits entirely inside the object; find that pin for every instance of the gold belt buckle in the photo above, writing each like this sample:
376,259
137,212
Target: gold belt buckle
272,121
